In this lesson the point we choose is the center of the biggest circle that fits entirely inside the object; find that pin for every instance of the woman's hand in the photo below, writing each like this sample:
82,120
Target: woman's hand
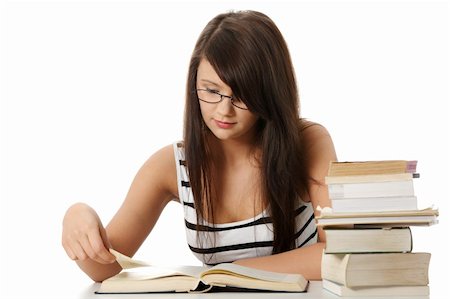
87,241
84,236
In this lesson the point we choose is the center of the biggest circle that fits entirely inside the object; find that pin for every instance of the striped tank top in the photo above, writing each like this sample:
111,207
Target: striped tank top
228,242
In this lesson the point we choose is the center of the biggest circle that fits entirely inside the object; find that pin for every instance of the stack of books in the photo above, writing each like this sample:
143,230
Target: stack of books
369,241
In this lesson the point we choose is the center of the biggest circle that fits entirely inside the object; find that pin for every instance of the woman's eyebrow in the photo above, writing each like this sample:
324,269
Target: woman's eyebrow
210,82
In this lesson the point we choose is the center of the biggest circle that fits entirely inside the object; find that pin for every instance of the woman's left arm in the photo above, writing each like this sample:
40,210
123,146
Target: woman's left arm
306,260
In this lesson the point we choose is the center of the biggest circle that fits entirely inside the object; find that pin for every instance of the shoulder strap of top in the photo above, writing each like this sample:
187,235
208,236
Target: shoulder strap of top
182,174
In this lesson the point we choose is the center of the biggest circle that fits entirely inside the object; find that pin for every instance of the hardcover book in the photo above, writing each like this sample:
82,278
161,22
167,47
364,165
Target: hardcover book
368,240
387,218
371,167
389,291
376,269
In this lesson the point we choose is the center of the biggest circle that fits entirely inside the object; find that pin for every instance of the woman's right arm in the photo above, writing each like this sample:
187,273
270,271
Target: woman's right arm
86,240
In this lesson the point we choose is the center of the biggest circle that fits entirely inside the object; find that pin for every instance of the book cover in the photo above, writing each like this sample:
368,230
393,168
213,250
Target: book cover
371,167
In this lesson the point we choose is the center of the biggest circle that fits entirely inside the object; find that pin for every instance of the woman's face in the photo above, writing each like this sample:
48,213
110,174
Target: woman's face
226,121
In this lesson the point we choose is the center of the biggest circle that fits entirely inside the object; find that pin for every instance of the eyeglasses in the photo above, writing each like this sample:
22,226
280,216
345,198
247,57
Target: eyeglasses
214,97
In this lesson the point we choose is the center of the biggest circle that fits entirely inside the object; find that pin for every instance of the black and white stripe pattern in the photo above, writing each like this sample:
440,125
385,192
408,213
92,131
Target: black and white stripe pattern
228,242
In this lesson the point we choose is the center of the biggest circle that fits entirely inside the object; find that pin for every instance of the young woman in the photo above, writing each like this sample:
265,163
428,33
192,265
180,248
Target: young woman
249,172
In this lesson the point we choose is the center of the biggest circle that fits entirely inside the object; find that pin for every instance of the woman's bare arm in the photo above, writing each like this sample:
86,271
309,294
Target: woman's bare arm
86,241
305,260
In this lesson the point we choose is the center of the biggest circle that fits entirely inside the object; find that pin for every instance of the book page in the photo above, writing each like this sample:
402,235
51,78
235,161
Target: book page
327,212
238,270
126,262
156,272
135,269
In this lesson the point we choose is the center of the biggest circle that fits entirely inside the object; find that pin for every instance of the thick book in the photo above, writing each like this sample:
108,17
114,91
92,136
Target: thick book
368,240
144,278
379,291
427,216
371,167
371,189
374,204
391,177
376,269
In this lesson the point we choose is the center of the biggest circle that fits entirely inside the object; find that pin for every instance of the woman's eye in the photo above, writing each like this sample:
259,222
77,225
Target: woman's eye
212,90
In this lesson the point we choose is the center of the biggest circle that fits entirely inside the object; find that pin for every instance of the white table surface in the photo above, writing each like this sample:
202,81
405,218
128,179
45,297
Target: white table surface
314,291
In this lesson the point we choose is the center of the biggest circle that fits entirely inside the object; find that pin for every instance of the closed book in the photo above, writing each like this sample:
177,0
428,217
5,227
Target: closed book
379,291
367,240
374,204
371,167
427,216
371,189
391,177
376,269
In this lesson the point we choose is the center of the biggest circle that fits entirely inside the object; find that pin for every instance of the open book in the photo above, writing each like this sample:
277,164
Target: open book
139,277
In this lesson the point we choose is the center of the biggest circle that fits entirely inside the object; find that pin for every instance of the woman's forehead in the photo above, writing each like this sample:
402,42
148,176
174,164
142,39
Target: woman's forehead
207,74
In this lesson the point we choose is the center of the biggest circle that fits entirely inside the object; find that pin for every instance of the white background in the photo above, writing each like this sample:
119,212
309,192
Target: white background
90,89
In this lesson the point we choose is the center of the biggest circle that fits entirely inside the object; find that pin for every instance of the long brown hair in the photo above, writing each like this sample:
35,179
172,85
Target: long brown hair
250,55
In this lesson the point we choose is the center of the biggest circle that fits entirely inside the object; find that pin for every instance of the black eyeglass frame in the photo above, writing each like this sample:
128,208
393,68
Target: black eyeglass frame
221,97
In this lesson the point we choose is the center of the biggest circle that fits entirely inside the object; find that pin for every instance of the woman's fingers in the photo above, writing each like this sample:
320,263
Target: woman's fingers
84,237
72,247
77,249
81,246
99,247
69,251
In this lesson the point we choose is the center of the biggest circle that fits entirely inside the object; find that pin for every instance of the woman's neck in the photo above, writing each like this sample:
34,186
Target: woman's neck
232,152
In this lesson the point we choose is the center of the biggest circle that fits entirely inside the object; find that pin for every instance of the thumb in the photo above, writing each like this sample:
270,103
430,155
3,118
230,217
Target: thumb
104,237
107,244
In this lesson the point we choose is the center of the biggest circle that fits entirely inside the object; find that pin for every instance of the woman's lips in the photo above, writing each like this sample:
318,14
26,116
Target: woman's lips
224,125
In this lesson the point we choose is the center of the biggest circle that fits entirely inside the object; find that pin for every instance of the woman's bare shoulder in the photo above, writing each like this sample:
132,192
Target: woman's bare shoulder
162,165
313,132
319,149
